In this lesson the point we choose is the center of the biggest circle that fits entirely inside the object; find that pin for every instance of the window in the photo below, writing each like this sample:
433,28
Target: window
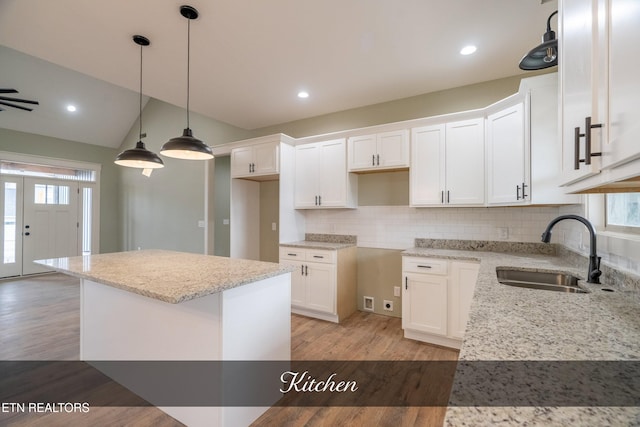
623,212
9,222
45,194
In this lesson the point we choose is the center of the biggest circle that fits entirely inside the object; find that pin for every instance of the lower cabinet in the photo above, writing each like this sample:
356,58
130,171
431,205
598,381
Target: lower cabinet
436,296
323,282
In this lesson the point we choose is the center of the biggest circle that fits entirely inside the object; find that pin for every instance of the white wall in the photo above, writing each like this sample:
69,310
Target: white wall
396,227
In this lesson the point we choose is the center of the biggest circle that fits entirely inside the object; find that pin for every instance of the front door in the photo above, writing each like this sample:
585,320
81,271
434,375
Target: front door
50,226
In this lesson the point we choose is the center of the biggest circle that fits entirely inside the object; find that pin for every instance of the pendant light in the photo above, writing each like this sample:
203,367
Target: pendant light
544,55
140,157
186,146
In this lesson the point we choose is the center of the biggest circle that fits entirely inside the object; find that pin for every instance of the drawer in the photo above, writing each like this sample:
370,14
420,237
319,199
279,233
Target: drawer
323,256
425,265
296,254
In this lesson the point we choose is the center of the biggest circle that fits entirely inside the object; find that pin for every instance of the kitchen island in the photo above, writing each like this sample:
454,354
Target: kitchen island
156,305
515,333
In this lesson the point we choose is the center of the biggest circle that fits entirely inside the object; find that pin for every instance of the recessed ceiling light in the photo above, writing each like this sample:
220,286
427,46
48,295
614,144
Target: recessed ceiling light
71,108
303,94
468,50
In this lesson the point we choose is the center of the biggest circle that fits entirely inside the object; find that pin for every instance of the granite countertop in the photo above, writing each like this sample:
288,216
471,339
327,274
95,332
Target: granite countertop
168,276
323,241
518,324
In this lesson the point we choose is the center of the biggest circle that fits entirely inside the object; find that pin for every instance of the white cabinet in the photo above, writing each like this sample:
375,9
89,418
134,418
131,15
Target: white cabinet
381,151
524,159
436,298
507,155
599,91
321,177
323,282
447,164
254,161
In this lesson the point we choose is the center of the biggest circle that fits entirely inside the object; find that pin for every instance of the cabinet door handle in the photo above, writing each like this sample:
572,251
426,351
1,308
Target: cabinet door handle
378,159
316,201
406,282
447,196
373,160
587,138
306,270
319,200
442,196
523,192
576,143
424,266
302,270
517,192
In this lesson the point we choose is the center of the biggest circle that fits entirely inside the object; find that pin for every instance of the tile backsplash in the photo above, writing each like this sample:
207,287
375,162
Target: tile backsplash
396,227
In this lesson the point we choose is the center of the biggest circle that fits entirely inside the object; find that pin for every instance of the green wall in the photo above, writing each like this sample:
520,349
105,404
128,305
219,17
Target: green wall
44,146
163,211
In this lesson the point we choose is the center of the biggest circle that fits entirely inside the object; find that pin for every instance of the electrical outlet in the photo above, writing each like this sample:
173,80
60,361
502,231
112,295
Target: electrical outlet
387,305
503,233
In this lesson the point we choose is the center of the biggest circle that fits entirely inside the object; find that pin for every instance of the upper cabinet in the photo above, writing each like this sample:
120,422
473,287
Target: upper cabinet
321,177
382,151
257,161
507,154
599,91
447,164
524,159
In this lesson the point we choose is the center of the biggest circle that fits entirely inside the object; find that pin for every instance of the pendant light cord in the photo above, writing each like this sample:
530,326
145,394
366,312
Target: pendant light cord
140,104
188,62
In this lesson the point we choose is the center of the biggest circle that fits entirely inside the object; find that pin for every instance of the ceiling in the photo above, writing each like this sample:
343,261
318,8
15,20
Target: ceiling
249,58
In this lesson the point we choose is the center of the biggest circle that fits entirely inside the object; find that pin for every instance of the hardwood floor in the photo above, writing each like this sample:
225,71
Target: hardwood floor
39,320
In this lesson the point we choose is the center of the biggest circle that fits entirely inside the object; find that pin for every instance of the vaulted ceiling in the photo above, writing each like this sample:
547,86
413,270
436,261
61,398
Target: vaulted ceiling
250,58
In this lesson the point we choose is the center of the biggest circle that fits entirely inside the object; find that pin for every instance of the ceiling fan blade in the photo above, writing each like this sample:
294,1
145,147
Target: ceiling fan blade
8,91
8,104
25,101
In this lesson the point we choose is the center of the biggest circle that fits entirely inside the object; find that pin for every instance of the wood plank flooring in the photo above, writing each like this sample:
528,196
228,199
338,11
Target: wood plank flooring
39,320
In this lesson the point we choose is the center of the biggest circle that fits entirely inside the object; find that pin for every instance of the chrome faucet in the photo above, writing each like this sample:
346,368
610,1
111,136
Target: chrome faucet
593,275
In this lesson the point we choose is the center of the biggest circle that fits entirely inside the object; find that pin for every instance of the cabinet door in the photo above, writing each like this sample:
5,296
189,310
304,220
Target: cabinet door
362,152
333,173
266,158
426,175
298,283
577,47
624,90
393,150
464,276
321,287
424,303
506,156
307,176
241,160
464,162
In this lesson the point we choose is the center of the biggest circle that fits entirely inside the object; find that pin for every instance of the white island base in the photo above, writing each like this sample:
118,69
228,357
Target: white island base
248,322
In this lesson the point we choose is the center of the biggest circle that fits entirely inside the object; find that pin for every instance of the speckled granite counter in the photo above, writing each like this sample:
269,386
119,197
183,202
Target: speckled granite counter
168,276
517,324
323,241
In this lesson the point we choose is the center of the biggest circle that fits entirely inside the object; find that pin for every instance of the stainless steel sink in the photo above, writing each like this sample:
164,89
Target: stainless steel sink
550,281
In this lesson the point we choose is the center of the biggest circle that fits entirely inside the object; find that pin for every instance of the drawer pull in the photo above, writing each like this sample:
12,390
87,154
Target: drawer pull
424,266
292,254
318,256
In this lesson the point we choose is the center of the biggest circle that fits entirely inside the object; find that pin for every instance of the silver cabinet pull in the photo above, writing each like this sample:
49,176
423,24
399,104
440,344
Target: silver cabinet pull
587,140
524,195
517,192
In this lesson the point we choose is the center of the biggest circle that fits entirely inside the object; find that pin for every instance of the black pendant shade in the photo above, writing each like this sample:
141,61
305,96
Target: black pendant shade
139,157
187,146
544,55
